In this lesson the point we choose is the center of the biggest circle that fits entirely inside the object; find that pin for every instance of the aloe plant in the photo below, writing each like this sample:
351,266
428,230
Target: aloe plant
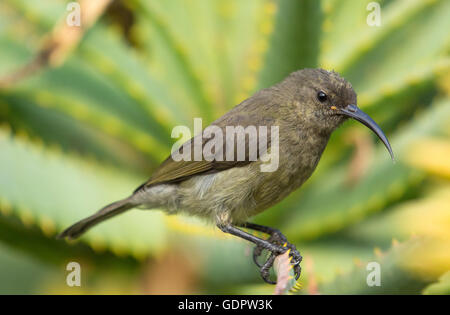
79,134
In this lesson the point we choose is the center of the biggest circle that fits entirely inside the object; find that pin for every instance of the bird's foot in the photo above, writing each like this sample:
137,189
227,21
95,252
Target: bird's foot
281,246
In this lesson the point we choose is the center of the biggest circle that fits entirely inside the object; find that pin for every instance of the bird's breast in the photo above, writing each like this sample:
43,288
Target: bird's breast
298,158
242,192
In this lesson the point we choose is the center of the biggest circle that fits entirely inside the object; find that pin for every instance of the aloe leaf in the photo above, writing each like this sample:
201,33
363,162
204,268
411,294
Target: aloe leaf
405,269
225,59
168,47
76,79
431,155
33,244
442,287
295,41
245,51
18,274
339,49
39,124
324,259
43,14
124,67
424,44
12,55
428,216
77,91
182,42
97,119
59,190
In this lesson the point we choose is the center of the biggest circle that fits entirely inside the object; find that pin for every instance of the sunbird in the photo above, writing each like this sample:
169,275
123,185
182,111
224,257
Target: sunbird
306,107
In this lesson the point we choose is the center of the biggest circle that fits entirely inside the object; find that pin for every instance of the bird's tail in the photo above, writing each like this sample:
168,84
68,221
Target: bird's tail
107,212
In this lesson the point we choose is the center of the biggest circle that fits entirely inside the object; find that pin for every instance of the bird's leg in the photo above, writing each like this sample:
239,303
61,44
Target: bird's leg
276,237
275,249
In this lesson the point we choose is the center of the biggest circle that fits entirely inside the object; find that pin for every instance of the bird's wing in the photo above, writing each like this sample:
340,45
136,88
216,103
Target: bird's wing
171,171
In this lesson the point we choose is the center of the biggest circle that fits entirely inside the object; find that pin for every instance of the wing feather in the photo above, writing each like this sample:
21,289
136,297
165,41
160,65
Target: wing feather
245,114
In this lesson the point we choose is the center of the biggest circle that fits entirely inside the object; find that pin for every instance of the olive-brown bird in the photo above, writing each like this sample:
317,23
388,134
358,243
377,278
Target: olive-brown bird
305,107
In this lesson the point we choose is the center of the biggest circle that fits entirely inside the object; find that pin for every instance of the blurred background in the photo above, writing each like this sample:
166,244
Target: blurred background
86,114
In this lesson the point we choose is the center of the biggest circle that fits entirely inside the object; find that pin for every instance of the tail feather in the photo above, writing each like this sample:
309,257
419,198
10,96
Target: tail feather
107,212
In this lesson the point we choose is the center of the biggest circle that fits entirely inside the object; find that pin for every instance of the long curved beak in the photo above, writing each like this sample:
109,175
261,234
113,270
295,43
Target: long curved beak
354,112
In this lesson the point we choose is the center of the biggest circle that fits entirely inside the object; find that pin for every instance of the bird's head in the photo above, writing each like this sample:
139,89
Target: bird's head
326,100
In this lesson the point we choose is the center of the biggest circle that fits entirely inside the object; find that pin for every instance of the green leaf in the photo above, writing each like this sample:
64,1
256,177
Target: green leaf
428,216
33,244
338,50
53,190
295,41
441,287
12,55
171,51
19,275
208,36
388,67
325,258
26,117
81,93
397,274
43,14
129,72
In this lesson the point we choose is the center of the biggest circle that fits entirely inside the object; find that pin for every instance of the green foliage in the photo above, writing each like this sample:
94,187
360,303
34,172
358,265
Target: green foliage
395,277
295,41
441,287
87,132
50,182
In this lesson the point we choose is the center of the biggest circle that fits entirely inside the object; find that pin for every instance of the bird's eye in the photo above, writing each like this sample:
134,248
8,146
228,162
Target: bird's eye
322,97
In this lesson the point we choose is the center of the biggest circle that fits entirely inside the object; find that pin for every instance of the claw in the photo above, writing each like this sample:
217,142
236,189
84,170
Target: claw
283,245
265,269
297,271
256,253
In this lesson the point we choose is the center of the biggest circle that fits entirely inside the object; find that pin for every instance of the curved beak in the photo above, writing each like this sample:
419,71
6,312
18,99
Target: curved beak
354,112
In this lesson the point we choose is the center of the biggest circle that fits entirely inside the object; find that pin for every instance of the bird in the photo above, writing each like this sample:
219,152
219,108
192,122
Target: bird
306,107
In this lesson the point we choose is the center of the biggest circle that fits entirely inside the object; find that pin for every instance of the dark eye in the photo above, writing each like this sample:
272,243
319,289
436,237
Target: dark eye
322,97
